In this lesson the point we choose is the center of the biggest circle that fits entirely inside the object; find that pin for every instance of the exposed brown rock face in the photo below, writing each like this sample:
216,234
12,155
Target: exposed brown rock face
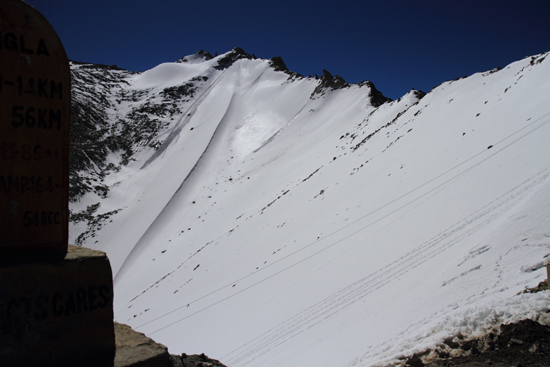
136,350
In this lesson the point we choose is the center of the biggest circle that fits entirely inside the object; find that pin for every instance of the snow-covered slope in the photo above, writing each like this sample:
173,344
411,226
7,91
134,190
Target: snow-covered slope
268,219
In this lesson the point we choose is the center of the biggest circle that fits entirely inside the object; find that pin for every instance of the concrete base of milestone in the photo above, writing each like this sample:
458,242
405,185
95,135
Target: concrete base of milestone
58,313
61,314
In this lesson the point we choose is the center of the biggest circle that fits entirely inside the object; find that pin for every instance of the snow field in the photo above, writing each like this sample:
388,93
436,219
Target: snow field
283,230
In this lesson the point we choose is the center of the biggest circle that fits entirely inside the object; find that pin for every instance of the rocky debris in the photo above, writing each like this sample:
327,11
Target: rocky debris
134,349
195,360
176,360
542,286
524,343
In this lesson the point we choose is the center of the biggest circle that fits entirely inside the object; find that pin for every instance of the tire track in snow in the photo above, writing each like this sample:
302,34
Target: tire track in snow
544,173
327,308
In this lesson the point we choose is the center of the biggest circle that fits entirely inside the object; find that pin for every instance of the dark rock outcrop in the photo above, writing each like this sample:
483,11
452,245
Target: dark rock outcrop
236,54
329,82
376,97
201,55
91,134
419,94
278,64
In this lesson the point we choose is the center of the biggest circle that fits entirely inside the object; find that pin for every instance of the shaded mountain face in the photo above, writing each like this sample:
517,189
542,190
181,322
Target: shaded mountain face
265,218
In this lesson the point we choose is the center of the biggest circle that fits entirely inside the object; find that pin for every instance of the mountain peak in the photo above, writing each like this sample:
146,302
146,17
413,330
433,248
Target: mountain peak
229,58
196,58
376,97
278,64
329,82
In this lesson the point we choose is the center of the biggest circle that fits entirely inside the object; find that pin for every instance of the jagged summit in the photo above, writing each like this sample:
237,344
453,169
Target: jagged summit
376,97
195,58
278,64
326,82
229,58
329,82
333,82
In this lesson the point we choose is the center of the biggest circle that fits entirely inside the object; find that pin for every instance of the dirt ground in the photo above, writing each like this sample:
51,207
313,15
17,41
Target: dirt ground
525,343
522,344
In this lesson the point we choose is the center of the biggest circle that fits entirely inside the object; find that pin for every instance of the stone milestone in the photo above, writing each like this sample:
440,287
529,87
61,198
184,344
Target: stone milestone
34,136
56,306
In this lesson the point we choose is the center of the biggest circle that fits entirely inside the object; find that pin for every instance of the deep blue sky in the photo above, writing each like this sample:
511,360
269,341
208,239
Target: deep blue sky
398,45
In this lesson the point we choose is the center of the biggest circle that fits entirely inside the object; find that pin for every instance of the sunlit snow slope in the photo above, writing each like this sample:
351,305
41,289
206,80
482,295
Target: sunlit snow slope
273,224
